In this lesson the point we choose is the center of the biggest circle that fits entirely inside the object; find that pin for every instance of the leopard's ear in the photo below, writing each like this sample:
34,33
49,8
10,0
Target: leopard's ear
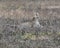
36,14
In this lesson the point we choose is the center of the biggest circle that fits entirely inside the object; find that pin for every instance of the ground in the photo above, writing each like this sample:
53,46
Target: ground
15,12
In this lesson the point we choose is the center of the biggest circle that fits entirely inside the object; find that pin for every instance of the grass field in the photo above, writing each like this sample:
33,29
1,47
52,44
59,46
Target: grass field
15,12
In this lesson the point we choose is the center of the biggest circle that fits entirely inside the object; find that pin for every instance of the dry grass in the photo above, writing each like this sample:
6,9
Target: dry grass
17,11
20,9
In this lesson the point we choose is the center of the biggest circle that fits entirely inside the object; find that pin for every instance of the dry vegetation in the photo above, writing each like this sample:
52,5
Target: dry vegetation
15,12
